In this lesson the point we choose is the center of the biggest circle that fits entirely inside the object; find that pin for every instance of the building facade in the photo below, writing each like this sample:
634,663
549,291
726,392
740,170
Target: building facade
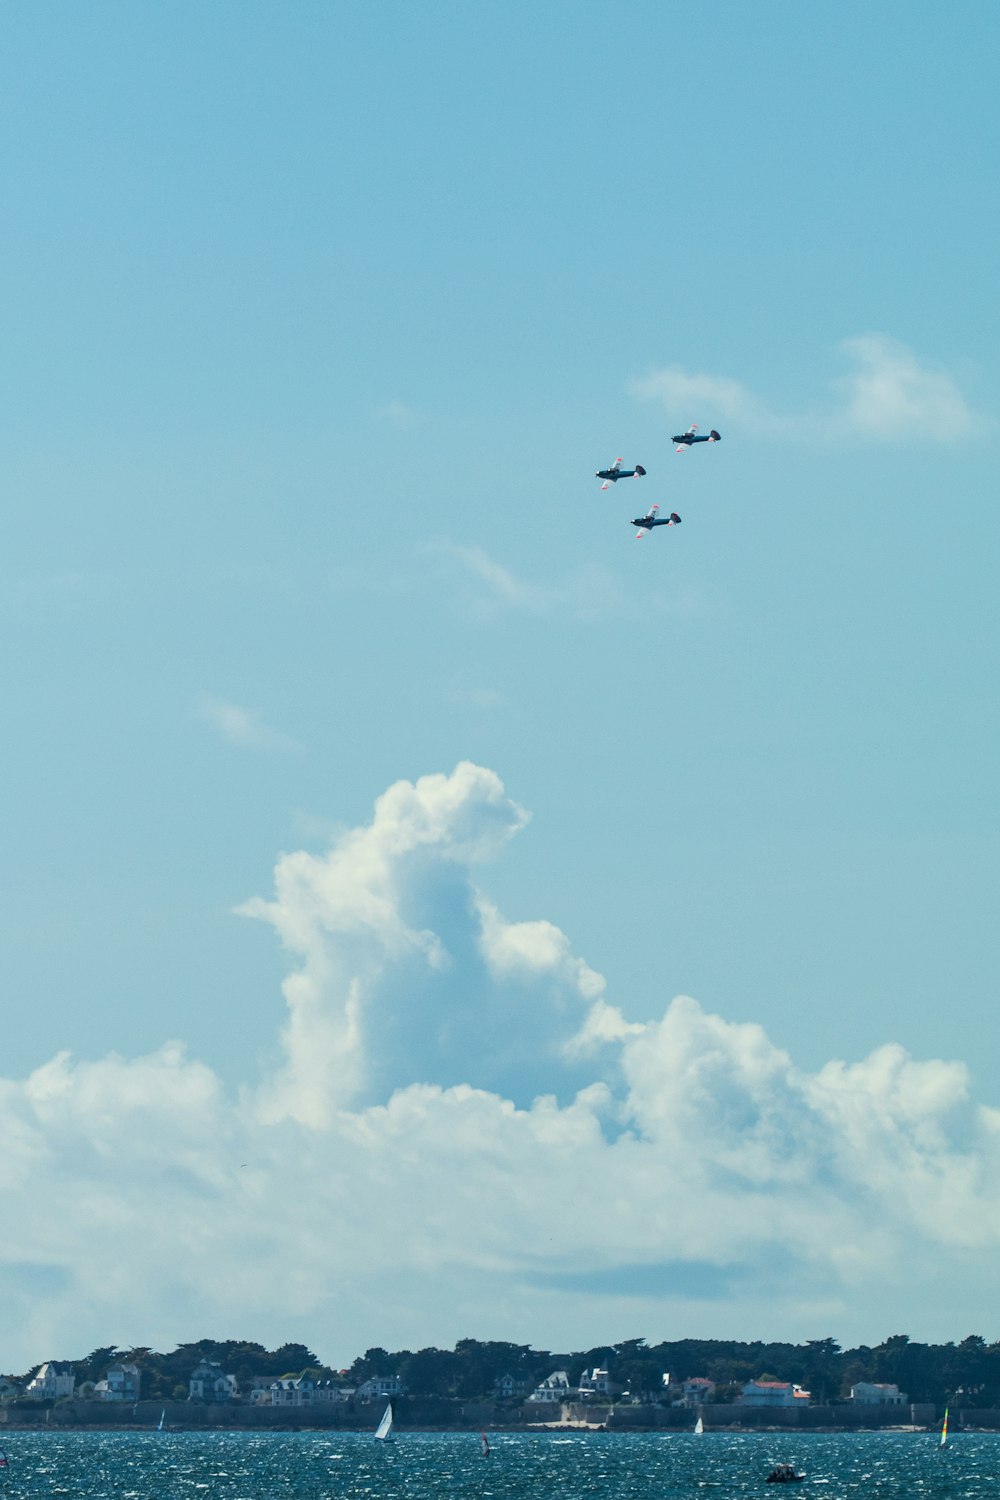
52,1381
867,1393
209,1382
773,1393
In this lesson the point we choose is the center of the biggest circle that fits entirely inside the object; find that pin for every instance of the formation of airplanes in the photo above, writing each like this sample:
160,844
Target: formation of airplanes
614,472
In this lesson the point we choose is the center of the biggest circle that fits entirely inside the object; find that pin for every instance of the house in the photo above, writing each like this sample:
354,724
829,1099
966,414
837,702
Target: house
208,1382
696,1390
509,1386
121,1383
773,1393
52,1381
260,1389
554,1387
296,1391
329,1393
598,1383
380,1388
867,1394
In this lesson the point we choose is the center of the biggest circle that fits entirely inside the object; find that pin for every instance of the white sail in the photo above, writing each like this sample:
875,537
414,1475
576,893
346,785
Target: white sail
384,1428
699,1426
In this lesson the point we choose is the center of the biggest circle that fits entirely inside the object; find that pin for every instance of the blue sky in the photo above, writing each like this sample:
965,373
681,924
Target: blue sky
318,322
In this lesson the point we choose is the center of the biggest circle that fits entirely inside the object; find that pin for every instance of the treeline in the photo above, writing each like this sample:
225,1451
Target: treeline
967,1372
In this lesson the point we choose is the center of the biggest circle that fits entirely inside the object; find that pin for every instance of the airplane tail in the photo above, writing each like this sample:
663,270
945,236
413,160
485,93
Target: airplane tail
639,469
675,518
714,437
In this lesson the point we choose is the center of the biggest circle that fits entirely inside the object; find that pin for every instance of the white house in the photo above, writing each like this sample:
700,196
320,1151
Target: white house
774,1393
554,1387
380,1387
696,1390
598,1383
121,1383
52,1380
328,1392
297,1391
208,1382
867,1394
260,1389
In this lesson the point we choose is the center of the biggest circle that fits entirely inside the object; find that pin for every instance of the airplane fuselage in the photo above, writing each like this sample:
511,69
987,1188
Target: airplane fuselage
650,521
612,474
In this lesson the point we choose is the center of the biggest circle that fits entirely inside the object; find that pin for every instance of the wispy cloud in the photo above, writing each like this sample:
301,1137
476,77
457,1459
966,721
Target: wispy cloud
433,1193
241,726
398,414
892,394
889,395
593,592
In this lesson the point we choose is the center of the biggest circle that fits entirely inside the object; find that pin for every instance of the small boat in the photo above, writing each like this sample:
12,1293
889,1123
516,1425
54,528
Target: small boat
699,1427
383,1431
3,1460
943,1441
485,1442
784,1474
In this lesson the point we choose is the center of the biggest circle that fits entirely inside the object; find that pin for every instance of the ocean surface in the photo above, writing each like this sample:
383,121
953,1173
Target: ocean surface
523,1466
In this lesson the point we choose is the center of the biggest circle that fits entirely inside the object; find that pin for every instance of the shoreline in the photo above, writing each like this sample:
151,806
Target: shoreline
553,1429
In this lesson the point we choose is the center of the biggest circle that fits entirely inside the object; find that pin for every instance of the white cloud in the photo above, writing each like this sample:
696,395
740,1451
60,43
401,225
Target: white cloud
592,592
404,1183
681,391
347,914
398,414
891,394
888,395
241,726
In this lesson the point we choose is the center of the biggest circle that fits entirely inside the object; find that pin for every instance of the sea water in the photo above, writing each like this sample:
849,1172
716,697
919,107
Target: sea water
521,1466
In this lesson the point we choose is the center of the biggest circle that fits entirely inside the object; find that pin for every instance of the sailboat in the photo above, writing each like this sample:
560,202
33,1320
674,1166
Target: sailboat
699,1427
486,1443
943,1443
384,1429
159,1425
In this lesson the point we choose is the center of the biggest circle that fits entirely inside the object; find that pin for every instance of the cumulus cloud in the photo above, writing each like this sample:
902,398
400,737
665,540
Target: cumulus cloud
463,1132
889,394
363,905
241,726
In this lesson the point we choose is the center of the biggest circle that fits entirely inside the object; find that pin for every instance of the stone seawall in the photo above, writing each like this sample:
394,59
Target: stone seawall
429,1413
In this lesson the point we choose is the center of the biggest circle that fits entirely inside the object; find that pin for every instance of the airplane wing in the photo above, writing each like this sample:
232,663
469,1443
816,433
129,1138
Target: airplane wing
645,530
683,447
607,484
613,471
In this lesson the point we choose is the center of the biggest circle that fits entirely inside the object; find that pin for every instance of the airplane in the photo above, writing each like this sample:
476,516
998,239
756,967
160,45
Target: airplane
648,521
685,439
617,472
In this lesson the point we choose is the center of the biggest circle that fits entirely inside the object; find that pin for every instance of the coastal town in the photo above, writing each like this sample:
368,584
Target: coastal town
630,1386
